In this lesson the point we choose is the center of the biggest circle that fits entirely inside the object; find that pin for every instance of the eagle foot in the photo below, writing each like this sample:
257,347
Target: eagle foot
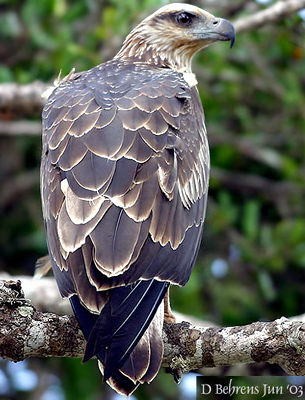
177,374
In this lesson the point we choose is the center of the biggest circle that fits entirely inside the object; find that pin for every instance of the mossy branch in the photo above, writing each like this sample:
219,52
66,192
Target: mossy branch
26,332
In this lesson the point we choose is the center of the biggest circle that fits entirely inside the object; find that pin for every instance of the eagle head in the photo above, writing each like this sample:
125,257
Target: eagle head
173,34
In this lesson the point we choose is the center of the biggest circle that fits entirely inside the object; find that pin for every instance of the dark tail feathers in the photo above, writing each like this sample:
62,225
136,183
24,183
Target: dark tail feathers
113,335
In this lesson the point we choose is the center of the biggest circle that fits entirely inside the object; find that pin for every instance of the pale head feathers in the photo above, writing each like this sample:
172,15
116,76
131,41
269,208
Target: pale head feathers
162,41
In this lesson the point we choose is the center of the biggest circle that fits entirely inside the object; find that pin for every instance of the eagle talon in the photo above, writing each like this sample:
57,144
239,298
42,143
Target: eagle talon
177,374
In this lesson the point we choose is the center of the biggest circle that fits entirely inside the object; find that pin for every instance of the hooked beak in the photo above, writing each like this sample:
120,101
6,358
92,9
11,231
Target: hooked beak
224,29
218,29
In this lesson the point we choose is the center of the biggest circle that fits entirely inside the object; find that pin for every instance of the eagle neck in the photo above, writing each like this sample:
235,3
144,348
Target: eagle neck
140,47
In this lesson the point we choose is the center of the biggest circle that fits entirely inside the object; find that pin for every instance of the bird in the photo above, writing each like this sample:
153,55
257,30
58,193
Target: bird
124,183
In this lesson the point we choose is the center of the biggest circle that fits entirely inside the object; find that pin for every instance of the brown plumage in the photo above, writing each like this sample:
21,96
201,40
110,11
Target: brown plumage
124,177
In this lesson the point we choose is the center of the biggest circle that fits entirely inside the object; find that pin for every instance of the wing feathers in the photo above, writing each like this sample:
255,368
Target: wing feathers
93,172
147,103
142,208
83,124
154,336
156,143
105,117
81,211
73,153
156,123
136,365
105,141
134,118
122,177
139,151
73,236
75,112
125,150
58,133
114,241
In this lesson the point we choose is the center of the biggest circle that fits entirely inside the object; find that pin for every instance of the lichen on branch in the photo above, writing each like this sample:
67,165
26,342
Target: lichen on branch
26,332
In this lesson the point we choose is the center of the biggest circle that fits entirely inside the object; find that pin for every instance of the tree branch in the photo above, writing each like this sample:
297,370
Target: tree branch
255,183
22,127
22,99
26,332
274,13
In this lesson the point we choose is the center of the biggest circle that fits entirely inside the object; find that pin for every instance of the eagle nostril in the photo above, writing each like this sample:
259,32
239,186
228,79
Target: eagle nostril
215,21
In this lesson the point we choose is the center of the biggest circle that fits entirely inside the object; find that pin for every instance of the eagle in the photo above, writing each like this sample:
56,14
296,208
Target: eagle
124,183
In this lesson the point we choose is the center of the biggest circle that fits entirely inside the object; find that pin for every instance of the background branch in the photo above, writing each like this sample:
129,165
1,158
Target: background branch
22,99
274,13
27,100
26,332
22,127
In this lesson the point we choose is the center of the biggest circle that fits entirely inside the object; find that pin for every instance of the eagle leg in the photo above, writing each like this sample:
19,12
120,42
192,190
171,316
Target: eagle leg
168,314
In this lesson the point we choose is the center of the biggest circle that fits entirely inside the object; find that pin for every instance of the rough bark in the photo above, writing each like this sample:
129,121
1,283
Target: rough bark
191,347
26,332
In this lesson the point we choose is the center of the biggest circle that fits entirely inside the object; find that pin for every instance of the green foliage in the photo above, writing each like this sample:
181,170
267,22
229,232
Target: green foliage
79,375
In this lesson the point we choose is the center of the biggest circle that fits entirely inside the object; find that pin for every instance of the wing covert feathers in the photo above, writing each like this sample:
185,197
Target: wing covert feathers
124,179
141,148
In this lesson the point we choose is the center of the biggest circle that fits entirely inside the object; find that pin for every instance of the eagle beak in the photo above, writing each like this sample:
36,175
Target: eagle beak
217,29
223,29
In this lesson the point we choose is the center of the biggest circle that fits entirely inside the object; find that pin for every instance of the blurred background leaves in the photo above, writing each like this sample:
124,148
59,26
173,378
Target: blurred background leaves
251,264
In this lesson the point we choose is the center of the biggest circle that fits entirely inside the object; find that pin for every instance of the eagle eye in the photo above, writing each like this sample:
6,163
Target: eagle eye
184,19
